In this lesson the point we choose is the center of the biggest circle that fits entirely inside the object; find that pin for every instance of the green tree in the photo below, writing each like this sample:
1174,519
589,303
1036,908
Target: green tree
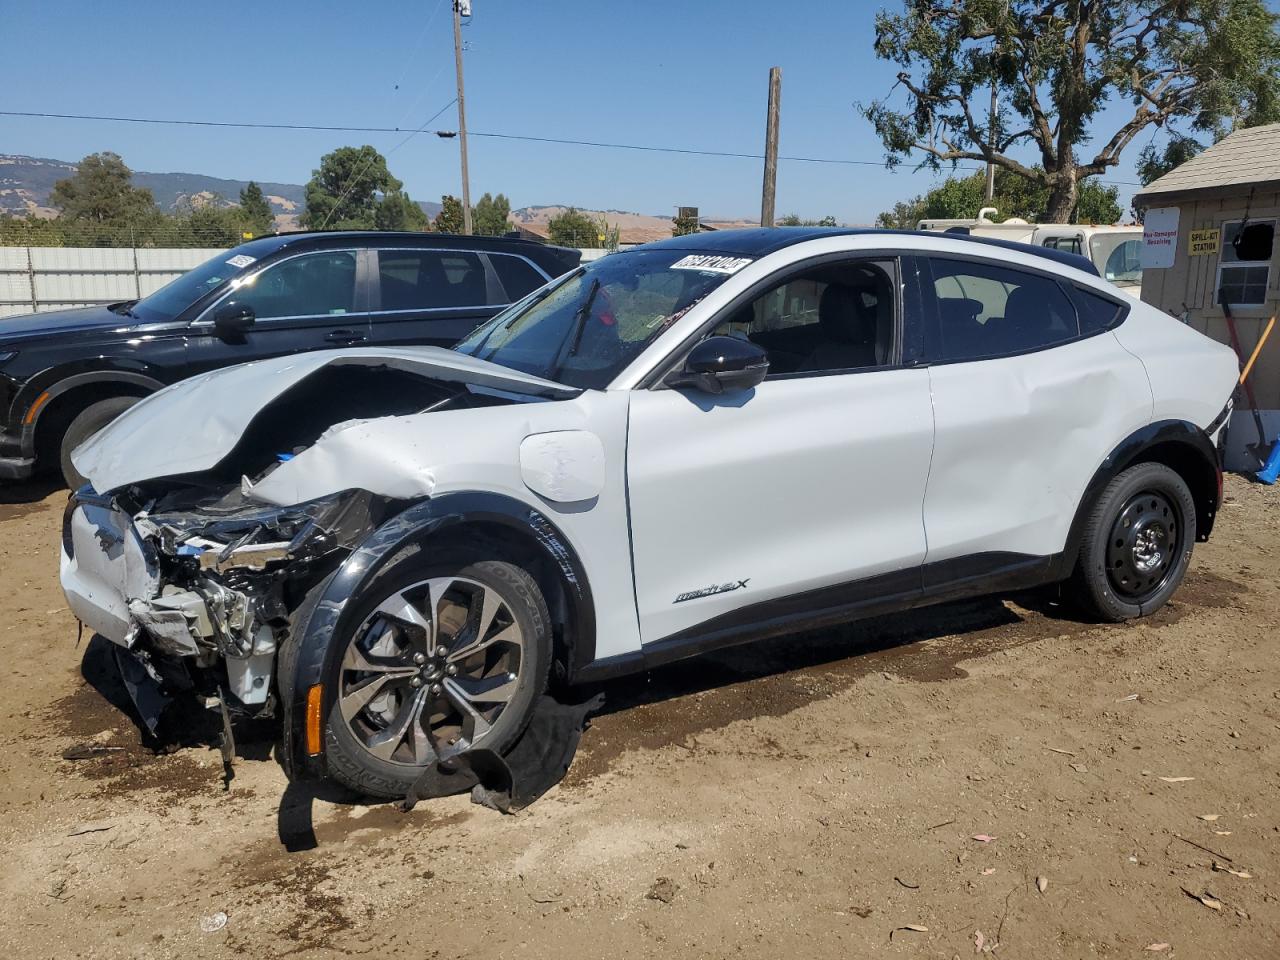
209,225
794,220
904,215
1198,65
398,212
449,219
959,198
489,216
573,228
683,226
1154,163
255,211
349,191
101,192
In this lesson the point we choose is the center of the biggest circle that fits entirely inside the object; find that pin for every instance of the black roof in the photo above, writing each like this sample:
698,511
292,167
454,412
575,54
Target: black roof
760,241
391,238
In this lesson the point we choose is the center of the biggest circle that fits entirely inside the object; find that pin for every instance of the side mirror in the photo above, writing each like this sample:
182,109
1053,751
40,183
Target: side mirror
232,320
721,365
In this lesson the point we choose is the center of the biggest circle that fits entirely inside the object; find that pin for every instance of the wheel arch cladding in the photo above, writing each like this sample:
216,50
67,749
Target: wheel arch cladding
471,523
70,396
1179,445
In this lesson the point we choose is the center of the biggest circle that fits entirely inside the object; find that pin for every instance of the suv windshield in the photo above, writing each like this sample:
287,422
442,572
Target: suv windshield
583,329
180,293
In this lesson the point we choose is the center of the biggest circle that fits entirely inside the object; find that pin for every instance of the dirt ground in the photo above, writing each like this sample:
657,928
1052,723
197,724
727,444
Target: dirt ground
890,788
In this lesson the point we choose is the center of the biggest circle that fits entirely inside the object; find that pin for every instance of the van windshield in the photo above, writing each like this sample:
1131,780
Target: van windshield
1118,257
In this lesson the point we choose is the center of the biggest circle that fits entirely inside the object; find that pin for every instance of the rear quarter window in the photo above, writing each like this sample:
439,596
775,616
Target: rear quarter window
1096,313
516,274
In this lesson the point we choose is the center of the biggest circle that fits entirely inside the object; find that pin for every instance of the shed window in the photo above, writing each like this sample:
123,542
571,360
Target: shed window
1244,271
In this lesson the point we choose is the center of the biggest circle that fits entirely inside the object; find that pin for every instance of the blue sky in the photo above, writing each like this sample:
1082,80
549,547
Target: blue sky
684,74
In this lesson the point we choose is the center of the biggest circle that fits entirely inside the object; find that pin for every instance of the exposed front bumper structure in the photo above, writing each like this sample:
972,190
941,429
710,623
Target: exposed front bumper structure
210,589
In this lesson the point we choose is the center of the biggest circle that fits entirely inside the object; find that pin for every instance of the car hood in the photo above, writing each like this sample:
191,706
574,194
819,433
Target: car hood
192,425
34,325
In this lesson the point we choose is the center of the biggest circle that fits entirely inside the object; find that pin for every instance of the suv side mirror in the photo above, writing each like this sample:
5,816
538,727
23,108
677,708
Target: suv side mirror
722,364
232,320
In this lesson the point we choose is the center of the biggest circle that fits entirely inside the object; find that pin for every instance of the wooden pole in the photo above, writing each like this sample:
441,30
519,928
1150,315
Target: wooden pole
462,118
771,148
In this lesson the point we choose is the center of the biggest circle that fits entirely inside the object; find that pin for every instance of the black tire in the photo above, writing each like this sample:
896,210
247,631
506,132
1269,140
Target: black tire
349,763
83,426
1137,544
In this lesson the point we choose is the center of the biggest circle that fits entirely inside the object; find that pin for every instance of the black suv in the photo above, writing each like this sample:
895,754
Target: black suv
65,375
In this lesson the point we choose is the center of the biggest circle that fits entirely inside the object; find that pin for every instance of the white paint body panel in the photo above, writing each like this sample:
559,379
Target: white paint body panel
209,412
798,484
1019,438
566,466
1191,375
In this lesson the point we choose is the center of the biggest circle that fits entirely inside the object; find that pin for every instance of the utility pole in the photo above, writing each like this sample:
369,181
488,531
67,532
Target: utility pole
771,148
991,140
461,8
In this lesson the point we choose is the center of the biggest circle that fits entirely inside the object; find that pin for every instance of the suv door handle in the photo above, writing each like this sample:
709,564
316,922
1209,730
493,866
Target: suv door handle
345,336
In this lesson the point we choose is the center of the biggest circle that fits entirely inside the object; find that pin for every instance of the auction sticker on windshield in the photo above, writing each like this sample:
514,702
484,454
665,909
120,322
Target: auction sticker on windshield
711,263
240,260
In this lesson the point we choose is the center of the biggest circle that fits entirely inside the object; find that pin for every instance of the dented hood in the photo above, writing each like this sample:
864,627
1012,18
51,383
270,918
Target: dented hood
192,425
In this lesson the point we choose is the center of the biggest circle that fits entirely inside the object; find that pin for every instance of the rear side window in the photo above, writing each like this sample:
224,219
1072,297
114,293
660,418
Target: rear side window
430,279
517,275
1096,313
990,311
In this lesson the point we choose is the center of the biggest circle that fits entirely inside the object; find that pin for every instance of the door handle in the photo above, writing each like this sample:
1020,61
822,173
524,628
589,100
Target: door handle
345,336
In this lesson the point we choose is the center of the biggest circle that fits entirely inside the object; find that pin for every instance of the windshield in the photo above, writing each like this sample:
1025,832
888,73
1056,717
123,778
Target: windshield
583,329
1118,256
180,293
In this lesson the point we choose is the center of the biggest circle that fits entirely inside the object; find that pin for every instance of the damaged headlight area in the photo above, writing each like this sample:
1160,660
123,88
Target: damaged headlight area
199,585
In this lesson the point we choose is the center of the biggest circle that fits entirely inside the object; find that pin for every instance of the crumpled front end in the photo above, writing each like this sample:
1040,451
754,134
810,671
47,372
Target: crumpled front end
199,586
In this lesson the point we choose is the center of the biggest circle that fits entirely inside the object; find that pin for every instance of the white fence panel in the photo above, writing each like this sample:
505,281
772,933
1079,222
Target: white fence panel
39,279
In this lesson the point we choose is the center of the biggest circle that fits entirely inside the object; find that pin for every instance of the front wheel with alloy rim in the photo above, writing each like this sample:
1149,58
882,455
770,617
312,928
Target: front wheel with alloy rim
1137,544
441,659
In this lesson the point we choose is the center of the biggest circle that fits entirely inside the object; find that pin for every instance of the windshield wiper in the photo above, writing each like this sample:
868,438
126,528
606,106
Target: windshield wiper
579,325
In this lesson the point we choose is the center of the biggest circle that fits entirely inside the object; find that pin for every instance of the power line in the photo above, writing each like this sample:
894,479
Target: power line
647,148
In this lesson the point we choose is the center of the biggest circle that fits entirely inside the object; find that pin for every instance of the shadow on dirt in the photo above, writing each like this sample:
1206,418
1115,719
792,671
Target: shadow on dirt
24,497
773,677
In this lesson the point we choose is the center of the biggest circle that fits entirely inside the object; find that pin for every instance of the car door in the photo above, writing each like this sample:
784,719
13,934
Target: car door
761,507
433,297
1027,404
308,301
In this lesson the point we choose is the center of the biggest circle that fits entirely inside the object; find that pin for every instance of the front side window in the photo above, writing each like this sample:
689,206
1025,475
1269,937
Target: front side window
1065,244
430,279
1244,271
182,292
584,328
833,317
311,285
990,311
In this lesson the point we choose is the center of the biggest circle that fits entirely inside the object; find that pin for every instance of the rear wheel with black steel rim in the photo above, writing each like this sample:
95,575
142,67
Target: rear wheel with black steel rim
1137,544
441,659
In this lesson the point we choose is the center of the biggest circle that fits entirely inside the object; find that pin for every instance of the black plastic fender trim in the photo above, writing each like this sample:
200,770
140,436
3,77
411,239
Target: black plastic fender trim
419,523
1128,452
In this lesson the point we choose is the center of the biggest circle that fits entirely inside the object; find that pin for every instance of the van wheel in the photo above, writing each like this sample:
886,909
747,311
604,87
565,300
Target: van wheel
1137,544
83,426
443,657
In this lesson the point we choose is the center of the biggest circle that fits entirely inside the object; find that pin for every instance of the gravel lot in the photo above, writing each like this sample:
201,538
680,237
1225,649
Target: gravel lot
820,794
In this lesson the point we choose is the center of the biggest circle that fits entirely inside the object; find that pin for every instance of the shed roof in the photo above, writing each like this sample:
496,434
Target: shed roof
1245,158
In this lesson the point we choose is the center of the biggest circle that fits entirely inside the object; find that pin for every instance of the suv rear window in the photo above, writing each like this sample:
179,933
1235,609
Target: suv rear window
430,279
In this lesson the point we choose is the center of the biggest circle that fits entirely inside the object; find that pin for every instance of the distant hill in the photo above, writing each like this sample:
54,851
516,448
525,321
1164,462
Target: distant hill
26,182
632,227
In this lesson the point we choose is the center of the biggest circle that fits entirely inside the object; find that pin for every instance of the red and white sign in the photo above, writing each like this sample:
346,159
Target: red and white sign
1159,238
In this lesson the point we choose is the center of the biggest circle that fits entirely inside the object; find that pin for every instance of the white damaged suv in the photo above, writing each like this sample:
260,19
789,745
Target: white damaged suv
695,443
